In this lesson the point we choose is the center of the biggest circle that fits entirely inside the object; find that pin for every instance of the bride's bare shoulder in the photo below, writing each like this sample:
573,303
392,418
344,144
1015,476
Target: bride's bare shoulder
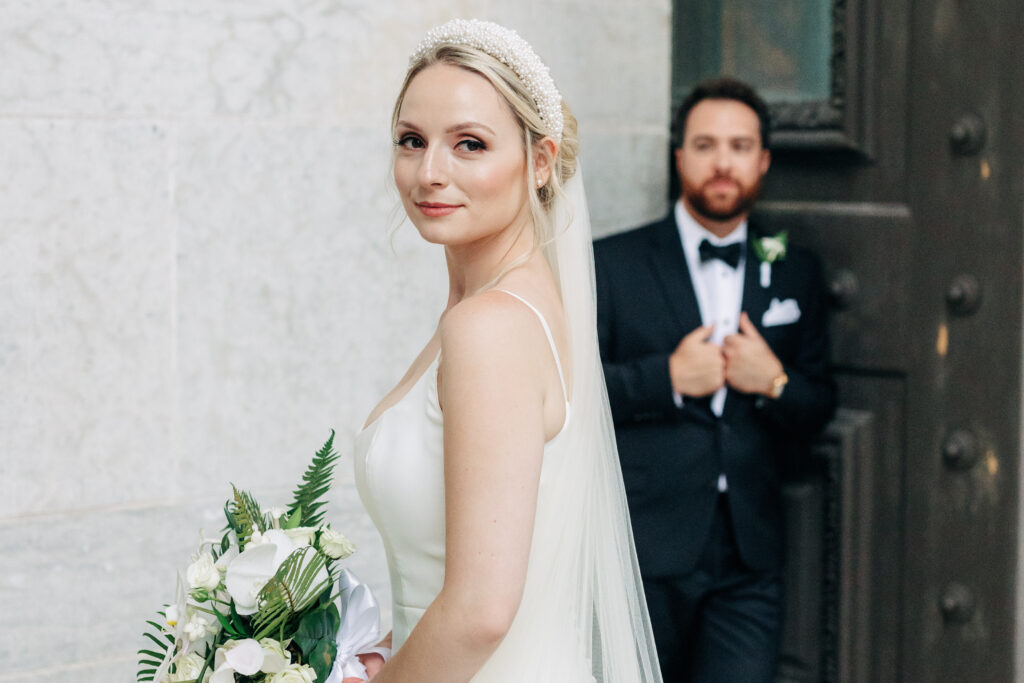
490,325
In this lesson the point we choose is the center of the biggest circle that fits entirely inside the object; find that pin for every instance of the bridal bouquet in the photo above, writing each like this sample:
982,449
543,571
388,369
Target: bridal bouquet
267,602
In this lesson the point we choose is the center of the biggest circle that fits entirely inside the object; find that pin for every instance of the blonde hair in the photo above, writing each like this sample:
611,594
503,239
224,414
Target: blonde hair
524,110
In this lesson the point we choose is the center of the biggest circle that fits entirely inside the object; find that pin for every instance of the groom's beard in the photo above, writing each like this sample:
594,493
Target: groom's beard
713,208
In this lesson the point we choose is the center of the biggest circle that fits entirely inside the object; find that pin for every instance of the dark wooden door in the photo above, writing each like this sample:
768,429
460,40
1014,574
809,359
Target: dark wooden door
907,177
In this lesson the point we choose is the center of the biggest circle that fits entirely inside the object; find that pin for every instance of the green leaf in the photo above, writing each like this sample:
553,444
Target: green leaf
241,625
332,614
291,591
226,625
314,627
206,666
157,627
316,481
159,641
322,658
151,659
294,519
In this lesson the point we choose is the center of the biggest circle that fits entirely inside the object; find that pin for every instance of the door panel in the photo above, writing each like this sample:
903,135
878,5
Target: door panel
865,248
906,180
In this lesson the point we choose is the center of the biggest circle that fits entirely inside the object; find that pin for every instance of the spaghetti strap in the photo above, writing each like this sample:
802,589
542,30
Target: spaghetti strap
551,342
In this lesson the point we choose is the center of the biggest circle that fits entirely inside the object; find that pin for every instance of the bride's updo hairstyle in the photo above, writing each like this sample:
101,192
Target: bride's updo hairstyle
510,65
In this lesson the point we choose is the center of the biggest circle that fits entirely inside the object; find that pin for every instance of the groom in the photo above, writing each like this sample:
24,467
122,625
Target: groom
714,342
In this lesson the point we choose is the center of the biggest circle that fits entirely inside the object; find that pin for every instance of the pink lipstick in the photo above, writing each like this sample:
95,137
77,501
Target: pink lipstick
436,209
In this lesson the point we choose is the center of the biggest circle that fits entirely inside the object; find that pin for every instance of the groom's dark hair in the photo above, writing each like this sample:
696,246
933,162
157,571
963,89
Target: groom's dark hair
724,88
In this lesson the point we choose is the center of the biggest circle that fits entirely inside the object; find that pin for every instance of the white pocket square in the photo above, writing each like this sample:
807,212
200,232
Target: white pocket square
781,313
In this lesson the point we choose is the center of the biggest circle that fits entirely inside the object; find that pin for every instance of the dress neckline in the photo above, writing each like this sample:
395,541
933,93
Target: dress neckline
408,391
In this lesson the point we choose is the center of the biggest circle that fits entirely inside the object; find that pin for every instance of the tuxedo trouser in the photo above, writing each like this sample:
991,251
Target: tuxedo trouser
722,622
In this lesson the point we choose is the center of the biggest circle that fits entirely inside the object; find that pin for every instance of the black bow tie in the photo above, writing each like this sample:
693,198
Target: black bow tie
727,253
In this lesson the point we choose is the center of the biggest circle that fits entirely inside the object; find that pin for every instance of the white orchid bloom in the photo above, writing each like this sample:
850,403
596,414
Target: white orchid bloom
275,657
236,656
225,559
249,572
247,657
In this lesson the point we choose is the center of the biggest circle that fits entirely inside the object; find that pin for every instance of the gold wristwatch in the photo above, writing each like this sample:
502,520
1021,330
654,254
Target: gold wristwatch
778,384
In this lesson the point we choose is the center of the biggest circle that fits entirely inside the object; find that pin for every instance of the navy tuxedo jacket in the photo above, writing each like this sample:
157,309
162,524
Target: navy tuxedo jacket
671,457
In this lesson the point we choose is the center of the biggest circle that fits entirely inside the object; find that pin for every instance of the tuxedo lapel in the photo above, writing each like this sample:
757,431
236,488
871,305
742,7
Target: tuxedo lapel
755,300
669,265
755,297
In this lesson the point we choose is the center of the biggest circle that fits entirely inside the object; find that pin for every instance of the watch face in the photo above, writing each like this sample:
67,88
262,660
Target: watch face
778,384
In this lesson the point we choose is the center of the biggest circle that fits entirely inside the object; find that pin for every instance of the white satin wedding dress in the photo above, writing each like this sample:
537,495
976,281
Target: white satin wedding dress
399,473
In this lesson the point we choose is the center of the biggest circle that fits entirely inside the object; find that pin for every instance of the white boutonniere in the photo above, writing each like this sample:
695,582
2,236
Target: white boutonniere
768,250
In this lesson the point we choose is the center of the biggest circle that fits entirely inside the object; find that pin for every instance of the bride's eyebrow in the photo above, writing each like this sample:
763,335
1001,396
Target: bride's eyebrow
468,125
458,127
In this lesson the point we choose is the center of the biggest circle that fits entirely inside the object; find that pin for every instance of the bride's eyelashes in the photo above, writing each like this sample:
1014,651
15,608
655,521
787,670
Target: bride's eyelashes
409,141
469,144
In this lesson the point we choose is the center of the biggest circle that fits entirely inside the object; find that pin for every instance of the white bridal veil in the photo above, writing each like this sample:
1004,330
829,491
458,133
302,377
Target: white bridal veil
583,617
587,493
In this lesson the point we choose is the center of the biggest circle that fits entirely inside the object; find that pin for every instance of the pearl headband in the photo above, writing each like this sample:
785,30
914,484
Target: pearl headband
507,47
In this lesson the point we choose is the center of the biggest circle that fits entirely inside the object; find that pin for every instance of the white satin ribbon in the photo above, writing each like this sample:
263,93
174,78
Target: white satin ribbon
360,628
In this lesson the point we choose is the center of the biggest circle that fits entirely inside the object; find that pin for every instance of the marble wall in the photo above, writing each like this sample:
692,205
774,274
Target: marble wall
203,270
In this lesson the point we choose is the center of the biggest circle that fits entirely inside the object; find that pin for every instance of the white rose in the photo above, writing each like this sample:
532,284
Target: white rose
333,544
773,247
294,673
203,573
301,535
187,668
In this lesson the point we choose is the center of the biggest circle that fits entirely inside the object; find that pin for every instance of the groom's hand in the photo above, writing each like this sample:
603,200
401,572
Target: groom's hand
697,367
750,364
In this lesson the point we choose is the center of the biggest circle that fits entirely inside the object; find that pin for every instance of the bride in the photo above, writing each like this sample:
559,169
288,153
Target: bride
490,470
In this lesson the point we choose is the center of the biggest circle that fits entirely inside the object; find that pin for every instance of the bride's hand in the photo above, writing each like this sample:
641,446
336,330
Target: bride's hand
373,663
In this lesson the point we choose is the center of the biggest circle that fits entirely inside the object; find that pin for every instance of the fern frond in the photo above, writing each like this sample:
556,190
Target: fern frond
232,525
315,483
150,659
244,515
297,586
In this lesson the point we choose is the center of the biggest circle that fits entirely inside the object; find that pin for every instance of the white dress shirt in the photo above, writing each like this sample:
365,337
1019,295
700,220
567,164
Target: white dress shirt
718,286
